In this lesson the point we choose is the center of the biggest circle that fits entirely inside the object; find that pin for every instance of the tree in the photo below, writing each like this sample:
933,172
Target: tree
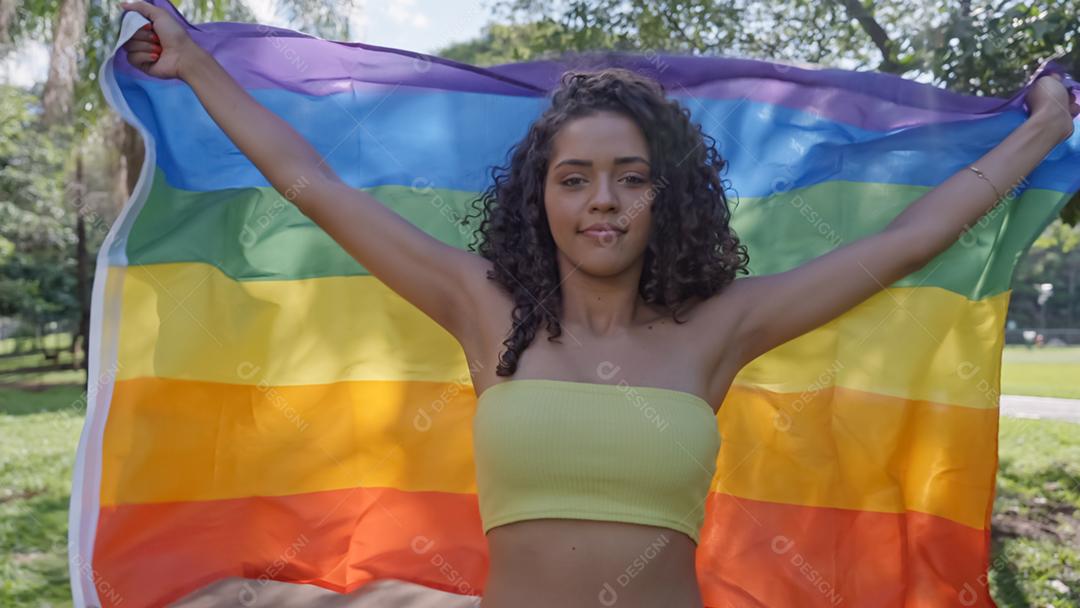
68,35
36,240
52,276
1054,258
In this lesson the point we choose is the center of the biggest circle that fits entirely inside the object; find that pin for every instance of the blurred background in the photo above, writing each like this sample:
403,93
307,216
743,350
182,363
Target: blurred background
68,163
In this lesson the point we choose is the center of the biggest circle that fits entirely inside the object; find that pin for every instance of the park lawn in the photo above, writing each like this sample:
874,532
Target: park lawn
1036,536
39,431
1043,372
53,341
1037,514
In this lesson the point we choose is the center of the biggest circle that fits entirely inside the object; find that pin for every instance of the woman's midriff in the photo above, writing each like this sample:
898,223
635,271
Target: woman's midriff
574,563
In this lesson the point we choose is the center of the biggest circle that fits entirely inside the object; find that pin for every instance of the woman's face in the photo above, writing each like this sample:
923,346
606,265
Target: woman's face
599,174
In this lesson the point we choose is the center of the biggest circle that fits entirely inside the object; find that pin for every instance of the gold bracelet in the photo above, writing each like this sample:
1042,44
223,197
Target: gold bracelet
987,180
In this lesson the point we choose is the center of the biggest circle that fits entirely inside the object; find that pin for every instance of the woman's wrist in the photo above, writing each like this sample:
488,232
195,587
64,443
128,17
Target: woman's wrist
192,58
1055,122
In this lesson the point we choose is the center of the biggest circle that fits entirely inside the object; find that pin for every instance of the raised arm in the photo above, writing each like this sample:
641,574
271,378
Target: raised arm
770,310
435,277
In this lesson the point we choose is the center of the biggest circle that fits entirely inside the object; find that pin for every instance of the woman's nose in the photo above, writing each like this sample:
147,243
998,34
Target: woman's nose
604,197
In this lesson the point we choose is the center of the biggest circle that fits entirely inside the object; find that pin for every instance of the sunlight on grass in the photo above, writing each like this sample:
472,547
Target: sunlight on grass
38,435
1044,372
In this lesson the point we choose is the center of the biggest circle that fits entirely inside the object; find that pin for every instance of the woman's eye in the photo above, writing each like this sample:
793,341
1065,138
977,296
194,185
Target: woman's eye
631,179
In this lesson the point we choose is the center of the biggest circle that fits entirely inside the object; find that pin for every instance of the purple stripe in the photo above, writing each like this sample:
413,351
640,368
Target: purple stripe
261,56
859,109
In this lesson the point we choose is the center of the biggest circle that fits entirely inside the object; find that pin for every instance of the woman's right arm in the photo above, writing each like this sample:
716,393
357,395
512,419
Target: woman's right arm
441,280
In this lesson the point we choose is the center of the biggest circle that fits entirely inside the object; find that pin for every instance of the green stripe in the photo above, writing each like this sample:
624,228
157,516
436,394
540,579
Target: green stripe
258,235
784,231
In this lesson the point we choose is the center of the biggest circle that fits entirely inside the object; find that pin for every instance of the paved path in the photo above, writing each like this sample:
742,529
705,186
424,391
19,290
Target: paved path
1019,406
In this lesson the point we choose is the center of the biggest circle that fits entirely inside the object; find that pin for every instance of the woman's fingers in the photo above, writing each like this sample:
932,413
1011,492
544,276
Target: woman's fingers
139,45
142,59
144,34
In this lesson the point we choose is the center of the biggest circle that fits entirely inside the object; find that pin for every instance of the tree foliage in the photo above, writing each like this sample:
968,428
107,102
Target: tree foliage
1054,259
36,238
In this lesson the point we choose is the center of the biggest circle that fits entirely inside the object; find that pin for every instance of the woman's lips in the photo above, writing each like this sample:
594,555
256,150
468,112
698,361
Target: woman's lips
604,235
601,232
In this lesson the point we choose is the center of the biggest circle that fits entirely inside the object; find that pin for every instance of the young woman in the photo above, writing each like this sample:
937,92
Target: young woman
610,231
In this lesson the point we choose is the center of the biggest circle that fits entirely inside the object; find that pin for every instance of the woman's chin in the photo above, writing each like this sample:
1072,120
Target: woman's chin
604,263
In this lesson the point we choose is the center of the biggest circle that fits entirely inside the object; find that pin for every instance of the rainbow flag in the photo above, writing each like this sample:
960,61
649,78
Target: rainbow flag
260,406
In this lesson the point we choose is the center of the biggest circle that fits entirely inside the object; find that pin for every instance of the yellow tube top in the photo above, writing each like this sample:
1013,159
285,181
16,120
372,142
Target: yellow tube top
563,449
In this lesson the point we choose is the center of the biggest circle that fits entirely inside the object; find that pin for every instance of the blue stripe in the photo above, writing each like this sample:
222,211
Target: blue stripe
451,139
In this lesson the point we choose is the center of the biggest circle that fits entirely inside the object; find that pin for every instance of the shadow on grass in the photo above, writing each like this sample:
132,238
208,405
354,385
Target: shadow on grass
1035,518
20,401
1008,591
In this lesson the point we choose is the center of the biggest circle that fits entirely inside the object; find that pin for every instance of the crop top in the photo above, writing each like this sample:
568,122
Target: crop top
563,449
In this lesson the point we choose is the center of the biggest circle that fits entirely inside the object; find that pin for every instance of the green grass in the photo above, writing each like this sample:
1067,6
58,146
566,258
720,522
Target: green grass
1037,515
1036,511
14,362
1043,372
38,379
25,343
38,435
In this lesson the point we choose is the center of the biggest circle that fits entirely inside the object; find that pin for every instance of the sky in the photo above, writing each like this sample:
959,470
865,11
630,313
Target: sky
415,25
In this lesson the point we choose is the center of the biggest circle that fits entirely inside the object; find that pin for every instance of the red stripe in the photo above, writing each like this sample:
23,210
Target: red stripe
769,554
155,553
752,554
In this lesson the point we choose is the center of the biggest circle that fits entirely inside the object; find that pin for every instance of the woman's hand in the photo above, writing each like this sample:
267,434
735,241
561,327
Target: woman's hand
159,47
1053,105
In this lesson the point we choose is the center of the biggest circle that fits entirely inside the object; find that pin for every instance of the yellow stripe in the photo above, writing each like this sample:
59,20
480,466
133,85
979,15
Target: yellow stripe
189,321
922,343
170,440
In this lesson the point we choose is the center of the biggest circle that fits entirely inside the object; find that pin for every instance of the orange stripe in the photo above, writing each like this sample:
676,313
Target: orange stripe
175,440
849,449
866,559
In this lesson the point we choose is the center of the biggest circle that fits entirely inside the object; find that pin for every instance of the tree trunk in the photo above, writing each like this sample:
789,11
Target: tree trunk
125,158
1071,299
69,31
82,267
133,157
7,14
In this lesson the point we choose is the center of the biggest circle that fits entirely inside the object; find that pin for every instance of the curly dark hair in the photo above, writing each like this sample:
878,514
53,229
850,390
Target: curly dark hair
692,250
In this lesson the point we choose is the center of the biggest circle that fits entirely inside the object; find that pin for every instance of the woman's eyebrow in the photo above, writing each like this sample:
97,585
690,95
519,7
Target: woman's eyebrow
622,160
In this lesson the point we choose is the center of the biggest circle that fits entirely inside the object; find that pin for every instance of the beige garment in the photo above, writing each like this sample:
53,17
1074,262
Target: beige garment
379,594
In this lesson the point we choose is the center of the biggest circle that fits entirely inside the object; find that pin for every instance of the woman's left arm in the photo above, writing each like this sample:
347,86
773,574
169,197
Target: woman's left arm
770,310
